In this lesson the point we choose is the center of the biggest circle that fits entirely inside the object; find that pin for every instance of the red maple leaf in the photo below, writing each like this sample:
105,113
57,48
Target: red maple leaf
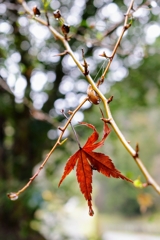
86,161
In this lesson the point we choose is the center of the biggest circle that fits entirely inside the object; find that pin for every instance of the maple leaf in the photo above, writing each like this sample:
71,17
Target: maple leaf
86,161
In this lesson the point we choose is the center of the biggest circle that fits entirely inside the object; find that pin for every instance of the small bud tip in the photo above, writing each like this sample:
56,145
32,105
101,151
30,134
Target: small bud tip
12,196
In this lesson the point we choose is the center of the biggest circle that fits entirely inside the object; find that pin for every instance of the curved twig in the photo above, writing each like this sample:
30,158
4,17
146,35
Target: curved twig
14,196
133,153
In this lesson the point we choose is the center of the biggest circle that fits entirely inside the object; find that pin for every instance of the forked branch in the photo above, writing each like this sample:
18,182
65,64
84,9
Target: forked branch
93,87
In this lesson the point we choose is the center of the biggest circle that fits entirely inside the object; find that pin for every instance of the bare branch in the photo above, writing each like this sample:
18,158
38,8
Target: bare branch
125,27
133,153
14,196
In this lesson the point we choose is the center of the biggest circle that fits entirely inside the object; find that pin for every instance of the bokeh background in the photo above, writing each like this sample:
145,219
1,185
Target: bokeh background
36,84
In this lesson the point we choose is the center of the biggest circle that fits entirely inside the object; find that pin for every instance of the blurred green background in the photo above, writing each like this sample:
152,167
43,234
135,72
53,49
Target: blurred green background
36,84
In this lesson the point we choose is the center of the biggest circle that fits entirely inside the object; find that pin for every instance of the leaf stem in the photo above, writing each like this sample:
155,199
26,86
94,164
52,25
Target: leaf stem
75,134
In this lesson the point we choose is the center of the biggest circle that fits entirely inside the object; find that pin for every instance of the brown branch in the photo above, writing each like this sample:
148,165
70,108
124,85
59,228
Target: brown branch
133,153
97,42
14,196
125,27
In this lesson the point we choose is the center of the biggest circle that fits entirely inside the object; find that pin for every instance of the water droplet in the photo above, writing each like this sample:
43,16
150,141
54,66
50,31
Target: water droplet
12,196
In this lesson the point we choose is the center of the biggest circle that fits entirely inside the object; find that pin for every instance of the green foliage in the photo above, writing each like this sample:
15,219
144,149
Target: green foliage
46,3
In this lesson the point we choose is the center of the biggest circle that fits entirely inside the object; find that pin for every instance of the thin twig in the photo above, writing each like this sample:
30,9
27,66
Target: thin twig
74,131
132,152
14,196
125,27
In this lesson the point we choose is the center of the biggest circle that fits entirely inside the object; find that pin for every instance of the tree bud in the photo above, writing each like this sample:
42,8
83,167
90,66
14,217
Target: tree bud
36,11
65,28
57,14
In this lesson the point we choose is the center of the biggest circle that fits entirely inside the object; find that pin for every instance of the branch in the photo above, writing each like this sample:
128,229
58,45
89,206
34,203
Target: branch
125,27
132,152
14,196
57,35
